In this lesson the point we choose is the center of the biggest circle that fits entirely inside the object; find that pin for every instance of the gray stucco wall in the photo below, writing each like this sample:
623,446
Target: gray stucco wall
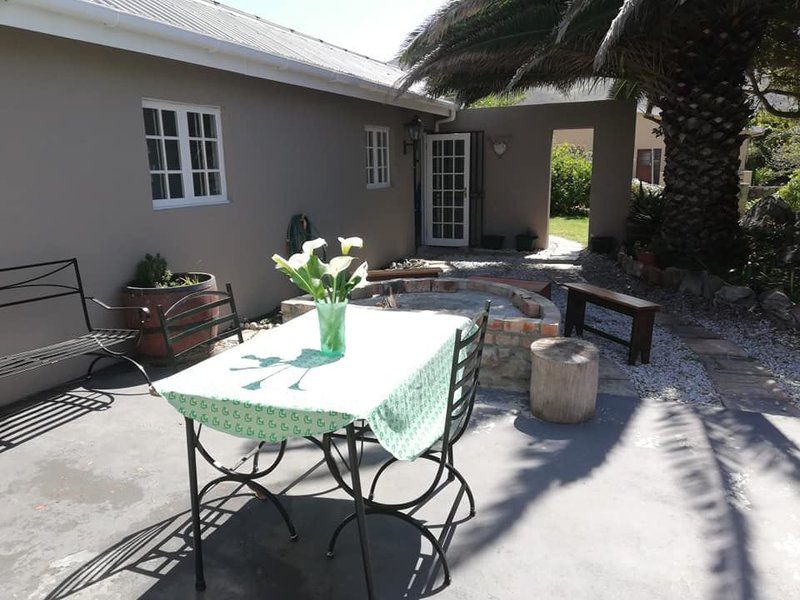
518,184
75,180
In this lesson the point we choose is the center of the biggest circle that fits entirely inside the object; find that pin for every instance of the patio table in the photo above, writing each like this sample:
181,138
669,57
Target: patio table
395,376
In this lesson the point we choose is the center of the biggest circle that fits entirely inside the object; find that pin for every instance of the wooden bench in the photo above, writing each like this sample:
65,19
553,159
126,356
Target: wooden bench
642,311
537,287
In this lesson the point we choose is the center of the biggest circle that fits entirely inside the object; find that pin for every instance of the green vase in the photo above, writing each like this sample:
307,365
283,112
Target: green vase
331,327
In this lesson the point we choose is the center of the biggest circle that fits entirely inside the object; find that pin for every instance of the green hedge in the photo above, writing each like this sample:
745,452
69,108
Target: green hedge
571,180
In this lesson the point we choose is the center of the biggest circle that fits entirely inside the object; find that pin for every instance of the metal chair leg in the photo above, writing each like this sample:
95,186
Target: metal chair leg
200,580
380,472
437,547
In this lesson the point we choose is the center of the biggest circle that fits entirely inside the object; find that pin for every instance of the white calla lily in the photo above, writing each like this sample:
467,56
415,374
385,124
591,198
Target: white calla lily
351,242
311,245
361,272
299,260
337,265
325,282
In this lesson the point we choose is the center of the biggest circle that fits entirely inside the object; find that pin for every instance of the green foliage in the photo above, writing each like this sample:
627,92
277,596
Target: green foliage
766,176
764,269
499,100
647,206
571,180
775,155
790,193
153,272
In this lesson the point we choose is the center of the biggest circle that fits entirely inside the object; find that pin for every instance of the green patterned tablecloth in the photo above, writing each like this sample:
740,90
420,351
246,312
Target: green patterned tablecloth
395,374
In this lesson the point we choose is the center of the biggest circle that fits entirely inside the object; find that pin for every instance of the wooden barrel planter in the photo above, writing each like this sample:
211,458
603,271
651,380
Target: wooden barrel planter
152,343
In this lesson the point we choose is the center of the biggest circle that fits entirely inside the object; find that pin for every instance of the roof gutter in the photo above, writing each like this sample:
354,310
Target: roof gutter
92,23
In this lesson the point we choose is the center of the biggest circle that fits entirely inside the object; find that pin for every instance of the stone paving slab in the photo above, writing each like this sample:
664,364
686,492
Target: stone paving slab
735,365
754,393
694,331
743,383
719,347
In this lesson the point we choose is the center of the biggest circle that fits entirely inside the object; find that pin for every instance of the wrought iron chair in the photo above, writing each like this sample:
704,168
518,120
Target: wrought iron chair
467,354
198,314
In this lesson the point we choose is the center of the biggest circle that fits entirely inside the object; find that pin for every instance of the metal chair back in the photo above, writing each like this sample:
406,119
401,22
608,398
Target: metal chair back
198,315
464,375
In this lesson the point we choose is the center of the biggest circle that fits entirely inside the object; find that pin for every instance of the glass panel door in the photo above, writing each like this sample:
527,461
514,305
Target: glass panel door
447,189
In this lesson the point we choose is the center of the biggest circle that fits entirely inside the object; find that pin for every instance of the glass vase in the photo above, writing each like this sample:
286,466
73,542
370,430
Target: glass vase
331,327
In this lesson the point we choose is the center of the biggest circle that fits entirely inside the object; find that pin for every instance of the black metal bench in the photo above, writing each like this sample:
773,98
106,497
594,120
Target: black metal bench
45,281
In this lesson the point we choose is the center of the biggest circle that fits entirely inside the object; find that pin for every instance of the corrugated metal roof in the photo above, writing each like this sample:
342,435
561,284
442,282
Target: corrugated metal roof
231,25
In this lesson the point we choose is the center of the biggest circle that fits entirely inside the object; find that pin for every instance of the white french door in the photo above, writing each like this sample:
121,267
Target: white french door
447,189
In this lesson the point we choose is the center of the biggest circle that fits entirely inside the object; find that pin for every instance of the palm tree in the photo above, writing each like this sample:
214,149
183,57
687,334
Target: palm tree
690,58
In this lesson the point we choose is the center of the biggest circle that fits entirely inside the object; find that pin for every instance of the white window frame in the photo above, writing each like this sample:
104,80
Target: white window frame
189,199
373,152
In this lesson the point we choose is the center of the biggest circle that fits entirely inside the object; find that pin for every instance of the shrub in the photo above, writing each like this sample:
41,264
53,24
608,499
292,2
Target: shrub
775,154
571,180
790,193
153,272
647,206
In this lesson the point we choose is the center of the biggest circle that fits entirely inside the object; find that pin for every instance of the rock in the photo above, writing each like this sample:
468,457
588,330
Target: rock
692,283
795,312
652,275
767,213
671,277
711,283
778,305
737,295
627,265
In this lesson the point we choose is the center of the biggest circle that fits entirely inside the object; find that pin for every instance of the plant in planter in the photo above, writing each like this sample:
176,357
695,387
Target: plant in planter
328,284
526,242
644,254
492,242
646,214
155,285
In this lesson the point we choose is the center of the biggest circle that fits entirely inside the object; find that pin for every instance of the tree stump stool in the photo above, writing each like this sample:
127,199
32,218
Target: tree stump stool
564,375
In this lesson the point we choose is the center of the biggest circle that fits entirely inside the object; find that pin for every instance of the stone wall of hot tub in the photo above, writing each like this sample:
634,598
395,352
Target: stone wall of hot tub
506,356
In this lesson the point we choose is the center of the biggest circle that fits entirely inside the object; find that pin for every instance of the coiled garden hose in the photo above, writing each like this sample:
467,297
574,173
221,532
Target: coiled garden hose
301,230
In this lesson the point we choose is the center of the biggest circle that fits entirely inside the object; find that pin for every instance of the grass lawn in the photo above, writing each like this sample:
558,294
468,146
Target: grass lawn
572,228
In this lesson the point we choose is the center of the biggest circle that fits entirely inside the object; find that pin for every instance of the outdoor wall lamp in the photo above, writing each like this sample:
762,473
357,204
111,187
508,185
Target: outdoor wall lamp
414,132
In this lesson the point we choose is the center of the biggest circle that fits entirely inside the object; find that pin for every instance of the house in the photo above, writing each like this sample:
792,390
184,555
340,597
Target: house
189,128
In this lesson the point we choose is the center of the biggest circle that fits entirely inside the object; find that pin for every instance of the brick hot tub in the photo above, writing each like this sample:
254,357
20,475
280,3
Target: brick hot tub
518,317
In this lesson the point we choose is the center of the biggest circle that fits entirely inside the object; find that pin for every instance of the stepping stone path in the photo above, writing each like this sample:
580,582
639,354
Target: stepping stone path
743,383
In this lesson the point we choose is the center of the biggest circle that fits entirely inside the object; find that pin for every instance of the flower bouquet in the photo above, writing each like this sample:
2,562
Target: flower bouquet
329,285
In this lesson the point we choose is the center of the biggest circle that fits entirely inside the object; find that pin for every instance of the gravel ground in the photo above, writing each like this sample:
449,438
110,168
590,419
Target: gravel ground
675,373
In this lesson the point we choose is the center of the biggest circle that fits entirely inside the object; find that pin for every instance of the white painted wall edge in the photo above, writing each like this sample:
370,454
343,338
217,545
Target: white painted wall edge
104,26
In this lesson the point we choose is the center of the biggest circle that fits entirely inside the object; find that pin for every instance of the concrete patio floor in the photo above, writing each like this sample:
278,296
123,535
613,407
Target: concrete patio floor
649,500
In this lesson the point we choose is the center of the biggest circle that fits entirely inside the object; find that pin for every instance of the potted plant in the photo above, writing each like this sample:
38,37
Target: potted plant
328,284
526,242
644,255
155,285
492,242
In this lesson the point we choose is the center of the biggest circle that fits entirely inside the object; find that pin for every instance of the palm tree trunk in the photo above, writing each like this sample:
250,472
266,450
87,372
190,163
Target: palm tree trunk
703,112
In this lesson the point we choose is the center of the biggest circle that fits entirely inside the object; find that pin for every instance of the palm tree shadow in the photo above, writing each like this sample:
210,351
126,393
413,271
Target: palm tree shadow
708,447
556,456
